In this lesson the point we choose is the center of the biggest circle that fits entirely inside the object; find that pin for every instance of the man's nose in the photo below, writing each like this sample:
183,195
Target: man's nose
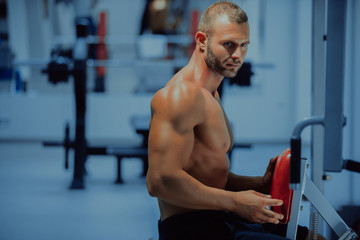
237,53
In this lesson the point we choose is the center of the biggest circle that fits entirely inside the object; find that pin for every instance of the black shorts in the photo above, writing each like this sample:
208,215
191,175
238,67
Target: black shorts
219,225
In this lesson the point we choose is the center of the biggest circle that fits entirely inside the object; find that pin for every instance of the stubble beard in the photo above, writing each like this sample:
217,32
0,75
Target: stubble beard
214,64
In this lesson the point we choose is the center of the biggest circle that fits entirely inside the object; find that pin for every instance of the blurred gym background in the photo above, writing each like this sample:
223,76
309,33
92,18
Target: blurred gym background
132,49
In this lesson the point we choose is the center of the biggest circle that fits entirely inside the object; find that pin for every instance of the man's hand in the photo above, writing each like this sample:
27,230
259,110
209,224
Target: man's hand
253,206
268,176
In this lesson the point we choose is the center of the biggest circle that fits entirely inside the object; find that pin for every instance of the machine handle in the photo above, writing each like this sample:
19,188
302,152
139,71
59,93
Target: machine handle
352,165
295,163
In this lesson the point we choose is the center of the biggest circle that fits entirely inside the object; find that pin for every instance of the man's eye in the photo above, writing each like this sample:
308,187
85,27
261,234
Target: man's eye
228,44
244,45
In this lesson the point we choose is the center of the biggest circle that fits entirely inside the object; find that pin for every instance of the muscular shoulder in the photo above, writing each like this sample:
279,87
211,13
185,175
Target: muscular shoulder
178,102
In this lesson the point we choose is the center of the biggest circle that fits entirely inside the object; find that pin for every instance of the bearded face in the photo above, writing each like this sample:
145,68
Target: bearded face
221,66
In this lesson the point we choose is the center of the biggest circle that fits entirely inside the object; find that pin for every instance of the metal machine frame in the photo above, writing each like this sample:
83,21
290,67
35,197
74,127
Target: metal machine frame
313,194
328,85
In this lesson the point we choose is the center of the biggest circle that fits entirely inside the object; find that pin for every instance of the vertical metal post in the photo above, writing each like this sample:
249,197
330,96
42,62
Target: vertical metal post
327,88
318,95
80,145
334,99
318,89
80,55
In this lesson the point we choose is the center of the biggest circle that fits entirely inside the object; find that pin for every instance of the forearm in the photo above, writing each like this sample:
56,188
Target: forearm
183,190
242,183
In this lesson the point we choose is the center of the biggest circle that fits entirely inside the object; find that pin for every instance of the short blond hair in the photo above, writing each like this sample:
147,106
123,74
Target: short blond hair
231,9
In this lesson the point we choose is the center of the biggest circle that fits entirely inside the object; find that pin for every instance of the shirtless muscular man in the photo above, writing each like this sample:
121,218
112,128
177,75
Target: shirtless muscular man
190,134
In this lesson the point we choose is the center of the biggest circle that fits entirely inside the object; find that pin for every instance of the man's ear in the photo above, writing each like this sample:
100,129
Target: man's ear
201,40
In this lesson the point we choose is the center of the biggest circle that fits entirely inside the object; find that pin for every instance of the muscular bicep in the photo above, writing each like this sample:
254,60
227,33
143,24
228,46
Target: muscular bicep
176,111
170,143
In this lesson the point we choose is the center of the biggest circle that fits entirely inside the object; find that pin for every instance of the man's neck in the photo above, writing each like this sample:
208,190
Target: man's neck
203,76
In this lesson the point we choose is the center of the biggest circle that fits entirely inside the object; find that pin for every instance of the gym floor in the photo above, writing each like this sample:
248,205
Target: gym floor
36,203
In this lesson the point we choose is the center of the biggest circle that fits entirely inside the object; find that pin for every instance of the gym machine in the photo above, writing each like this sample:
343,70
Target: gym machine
333,122
63,64
74,62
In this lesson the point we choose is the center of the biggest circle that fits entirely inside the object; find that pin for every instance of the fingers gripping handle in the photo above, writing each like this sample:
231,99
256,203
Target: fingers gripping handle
295,163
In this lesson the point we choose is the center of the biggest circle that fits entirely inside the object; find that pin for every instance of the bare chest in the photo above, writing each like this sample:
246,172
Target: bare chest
213,139
215,134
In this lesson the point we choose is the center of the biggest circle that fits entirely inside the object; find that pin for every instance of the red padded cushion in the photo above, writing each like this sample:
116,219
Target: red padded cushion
280,186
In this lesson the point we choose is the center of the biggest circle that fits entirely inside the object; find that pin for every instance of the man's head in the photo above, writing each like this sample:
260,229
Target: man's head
233,11
223,37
